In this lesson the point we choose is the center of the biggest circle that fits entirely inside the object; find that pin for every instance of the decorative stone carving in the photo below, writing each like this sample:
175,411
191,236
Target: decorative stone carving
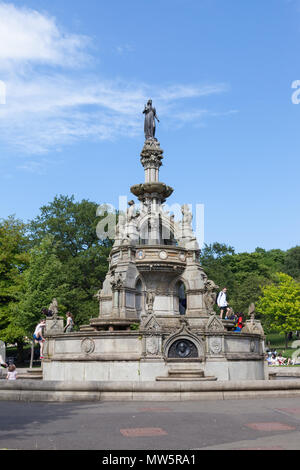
214,324
183,349
151,154
150,324
183,344
87,346
98,295
210,296
116,281
252,325
53,308
140,254
54,324
251,312
163,255
120,234
130,229
152,190
215,345
150,298
188,235
187,218
153,345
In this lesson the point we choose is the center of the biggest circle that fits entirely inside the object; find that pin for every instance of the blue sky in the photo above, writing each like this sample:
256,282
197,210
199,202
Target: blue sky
220,73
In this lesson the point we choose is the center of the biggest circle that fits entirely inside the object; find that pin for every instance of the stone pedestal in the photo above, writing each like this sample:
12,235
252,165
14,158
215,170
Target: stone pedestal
54,325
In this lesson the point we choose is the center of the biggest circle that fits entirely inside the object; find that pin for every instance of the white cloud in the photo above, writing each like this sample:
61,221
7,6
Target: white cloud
50,106
27,35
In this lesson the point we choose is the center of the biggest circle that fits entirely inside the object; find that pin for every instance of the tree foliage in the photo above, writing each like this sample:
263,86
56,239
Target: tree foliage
73,240
242,273
280,304
291,263
14,260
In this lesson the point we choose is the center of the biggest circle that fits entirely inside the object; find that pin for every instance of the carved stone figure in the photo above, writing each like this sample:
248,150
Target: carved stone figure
187,218
54,323
129,230
98,295
131,211
117,282
210,295
120,230
150,297
53,308
150,116
251,312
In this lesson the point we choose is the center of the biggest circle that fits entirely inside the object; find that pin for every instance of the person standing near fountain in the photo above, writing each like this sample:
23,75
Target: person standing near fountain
38,336
222,302
70,323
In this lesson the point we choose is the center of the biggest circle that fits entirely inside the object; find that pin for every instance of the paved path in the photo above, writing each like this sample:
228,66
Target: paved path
271,423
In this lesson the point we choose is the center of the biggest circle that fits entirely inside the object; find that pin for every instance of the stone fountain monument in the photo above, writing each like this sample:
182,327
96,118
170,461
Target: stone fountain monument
156,306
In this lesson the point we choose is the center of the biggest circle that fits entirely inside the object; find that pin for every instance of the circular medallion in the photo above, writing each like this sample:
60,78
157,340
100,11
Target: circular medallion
87,346
140,254
183,349
163,255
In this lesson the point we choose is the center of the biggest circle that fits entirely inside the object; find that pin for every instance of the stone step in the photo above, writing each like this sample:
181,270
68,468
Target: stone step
30,374
186,373
30,377
36,371
185,379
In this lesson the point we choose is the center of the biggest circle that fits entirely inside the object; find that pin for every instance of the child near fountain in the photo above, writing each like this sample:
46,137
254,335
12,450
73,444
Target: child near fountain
12,373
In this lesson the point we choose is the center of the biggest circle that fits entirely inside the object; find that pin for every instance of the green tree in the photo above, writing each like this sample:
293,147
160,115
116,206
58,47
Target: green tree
242,273
291,263
75,244
44,280
14,261
280,304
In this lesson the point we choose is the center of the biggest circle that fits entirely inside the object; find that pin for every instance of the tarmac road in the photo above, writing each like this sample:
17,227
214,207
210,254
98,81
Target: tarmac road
255,424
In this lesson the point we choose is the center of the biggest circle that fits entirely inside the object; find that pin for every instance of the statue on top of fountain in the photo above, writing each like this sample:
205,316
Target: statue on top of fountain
150,125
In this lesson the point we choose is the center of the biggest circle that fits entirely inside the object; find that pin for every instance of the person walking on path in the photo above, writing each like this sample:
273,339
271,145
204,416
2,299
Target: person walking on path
222,302
38,336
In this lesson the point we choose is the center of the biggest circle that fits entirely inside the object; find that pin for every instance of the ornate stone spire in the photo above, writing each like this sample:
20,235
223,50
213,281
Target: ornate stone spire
152,190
